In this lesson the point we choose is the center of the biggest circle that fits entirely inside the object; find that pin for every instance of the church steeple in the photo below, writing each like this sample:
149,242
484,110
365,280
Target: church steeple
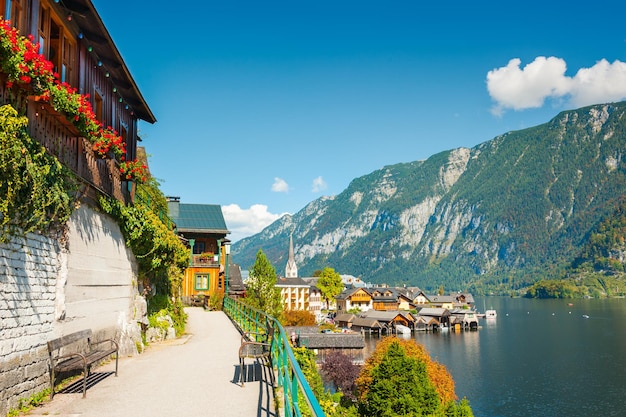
291,270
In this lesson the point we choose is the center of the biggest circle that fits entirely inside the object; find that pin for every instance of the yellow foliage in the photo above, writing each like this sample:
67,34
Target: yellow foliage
437,373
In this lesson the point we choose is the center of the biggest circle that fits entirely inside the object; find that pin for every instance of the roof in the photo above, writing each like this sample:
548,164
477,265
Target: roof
347,317
434,312
291,282
332,341
198,218
235,283
96,35
385,316
366,322
442,299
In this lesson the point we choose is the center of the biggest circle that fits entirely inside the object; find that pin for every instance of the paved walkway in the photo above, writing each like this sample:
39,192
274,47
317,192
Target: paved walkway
196,375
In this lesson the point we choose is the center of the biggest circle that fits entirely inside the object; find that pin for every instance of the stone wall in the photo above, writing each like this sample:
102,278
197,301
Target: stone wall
51,287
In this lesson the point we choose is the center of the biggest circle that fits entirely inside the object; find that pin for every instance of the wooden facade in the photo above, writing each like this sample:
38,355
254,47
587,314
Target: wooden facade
203,227
72,36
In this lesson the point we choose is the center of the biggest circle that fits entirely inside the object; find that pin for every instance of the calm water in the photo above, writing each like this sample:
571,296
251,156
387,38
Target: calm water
538,358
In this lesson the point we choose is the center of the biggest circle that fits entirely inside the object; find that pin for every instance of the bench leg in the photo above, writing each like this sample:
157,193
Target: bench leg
52,376
242,366
85,376
117,356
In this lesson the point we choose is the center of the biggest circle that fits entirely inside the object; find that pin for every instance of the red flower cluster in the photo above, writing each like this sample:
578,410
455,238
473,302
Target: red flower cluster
21,61
134,170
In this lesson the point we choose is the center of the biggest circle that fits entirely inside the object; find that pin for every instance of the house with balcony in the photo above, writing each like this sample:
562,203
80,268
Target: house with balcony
61,71
359,298
294,292
74,44
203,228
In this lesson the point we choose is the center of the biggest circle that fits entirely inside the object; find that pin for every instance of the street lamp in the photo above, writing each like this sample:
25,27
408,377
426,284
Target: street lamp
227,261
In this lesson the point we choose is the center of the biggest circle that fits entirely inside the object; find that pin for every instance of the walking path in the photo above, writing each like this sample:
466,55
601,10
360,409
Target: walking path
196,375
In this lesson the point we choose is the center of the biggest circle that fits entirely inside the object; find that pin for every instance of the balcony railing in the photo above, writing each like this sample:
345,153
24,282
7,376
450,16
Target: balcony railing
61,139
205,261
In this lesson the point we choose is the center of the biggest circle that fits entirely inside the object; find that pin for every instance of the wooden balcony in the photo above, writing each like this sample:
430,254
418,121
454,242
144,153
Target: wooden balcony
61,139
205,261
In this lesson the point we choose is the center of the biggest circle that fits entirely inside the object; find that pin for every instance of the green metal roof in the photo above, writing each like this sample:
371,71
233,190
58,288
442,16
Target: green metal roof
200,218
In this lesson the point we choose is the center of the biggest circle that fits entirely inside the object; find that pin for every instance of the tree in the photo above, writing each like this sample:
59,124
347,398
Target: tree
330,284
338,369
437,376
299,318
261,290
400,386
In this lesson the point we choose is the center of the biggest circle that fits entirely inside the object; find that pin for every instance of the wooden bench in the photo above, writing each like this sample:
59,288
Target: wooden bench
257,347
78,351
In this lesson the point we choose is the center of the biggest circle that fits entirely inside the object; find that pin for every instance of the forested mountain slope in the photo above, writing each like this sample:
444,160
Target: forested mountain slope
496,217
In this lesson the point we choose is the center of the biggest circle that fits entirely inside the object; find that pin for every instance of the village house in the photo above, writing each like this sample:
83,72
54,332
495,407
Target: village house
294,292
355,298
203,227
74,43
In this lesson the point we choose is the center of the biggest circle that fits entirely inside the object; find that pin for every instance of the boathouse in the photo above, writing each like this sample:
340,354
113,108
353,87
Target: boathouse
349,343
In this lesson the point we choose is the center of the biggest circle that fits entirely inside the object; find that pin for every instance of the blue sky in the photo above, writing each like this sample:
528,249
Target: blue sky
264,106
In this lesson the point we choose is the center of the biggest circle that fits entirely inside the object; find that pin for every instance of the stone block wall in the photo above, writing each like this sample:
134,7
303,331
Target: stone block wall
28,272
51,287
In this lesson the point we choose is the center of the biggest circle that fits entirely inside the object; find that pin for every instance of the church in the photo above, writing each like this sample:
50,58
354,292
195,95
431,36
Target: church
299,293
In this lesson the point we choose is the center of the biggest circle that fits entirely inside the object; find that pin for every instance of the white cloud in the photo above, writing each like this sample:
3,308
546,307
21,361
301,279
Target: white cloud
247,222
319,185
513,87
280,185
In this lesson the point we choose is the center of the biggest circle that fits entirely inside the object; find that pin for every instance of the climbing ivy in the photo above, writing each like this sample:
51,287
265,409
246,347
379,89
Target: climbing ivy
155,246
37,193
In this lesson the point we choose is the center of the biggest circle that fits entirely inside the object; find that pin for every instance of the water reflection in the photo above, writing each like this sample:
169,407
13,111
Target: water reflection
537,358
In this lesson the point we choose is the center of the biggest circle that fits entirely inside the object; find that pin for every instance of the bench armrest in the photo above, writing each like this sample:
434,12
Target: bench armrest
113,342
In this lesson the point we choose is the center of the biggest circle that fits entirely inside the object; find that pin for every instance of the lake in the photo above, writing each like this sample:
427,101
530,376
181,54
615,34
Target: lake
538,358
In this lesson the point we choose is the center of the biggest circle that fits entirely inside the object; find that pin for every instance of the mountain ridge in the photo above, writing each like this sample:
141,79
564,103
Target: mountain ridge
504,213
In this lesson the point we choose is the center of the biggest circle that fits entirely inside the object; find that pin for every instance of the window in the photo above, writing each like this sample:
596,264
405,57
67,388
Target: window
97,108
202,282
198,248
57,44
15,12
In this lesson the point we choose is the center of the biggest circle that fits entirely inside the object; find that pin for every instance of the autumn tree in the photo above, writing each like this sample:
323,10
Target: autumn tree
399,387
329,284
261,290
299,318
437,376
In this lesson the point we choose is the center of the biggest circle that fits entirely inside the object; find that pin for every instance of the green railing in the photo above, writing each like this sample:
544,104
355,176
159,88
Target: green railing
289,376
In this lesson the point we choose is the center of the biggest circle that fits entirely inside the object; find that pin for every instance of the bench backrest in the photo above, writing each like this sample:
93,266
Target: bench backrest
68,339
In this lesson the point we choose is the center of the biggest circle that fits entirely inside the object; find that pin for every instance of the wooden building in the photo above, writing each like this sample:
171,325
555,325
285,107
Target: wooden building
359,298
350,344
204,228
73,39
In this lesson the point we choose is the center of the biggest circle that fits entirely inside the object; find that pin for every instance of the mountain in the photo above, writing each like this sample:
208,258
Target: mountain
495,217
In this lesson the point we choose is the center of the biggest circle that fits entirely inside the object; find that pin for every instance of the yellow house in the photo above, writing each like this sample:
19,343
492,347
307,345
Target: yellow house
204,228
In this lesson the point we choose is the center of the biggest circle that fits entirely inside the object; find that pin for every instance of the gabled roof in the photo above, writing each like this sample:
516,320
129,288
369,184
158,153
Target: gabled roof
351,291
441,299
198,218
85,16
366,322
344,317
434,312
386,316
